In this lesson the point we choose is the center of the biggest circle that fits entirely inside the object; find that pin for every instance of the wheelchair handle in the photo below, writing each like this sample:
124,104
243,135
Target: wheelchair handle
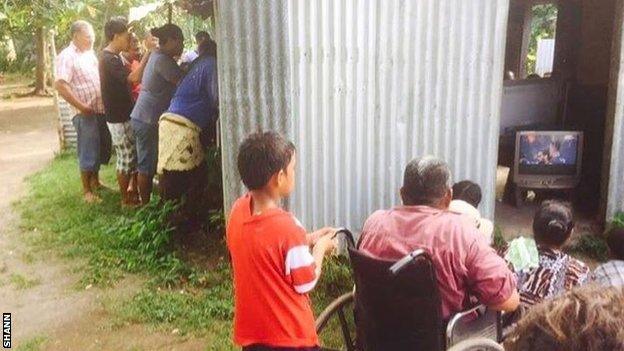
400,264
347,233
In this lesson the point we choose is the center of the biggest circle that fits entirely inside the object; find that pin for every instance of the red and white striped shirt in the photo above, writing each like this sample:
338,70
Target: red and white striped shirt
80,70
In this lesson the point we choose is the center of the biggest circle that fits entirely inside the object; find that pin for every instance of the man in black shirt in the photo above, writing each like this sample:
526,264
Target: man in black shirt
115,81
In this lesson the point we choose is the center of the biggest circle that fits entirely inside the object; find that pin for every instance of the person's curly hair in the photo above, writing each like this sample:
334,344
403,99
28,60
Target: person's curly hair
590,318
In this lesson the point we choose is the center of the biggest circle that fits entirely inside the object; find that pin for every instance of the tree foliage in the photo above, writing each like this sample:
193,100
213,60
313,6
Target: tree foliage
543,26
21,20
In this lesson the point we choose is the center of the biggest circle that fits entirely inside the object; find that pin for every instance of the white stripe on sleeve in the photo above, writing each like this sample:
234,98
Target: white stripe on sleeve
297,257
304,288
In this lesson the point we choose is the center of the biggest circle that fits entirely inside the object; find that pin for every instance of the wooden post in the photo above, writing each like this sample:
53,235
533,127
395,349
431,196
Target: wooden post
170,12
59,125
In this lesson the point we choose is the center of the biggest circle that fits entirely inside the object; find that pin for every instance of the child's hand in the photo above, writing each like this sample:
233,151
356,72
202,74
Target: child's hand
327,243
315,236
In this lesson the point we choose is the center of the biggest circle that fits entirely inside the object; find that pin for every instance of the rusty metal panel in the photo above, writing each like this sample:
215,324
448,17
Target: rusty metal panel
372,84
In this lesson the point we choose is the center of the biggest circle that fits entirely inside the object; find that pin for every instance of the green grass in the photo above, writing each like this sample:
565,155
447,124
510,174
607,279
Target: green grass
21,282
32,344
109,243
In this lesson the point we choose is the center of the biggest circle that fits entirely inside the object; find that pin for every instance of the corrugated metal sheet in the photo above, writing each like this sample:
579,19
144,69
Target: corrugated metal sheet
67,133
372,85
615,126
254,87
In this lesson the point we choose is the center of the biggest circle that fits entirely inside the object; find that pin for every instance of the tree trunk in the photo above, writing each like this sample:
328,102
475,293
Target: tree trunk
41,71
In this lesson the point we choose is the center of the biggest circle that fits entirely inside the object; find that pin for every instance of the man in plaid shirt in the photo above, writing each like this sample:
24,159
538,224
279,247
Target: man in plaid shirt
78,82
612,272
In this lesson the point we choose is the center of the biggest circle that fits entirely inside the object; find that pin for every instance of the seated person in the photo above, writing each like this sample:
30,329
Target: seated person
612,273
557,271
466,266
583,319
466,200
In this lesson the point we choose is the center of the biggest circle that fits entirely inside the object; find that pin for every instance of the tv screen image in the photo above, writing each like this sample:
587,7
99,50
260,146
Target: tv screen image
547,153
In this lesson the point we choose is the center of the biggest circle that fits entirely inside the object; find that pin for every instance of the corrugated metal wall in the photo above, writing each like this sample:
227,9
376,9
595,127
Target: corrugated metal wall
254,84
372,84
615,123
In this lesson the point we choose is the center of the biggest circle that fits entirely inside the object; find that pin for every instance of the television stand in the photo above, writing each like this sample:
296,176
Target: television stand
541,194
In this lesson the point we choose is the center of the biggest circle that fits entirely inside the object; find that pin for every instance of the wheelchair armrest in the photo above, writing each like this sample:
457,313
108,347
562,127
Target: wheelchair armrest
480,312
402,263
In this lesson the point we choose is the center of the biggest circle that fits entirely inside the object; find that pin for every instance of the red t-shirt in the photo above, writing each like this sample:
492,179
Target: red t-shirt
273,271
135,88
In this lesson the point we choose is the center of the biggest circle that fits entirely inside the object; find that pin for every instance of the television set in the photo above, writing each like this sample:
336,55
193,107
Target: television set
548,159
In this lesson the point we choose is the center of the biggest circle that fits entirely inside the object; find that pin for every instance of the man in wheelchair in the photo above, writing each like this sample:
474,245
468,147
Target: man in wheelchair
402,249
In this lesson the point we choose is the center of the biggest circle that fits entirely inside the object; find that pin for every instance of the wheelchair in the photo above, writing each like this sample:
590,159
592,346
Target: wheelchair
395,306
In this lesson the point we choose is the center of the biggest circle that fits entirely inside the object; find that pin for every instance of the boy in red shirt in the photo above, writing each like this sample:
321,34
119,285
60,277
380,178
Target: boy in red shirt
273,267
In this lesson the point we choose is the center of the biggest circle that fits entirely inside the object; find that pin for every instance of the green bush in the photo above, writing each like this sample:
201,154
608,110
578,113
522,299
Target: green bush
592,246
618,220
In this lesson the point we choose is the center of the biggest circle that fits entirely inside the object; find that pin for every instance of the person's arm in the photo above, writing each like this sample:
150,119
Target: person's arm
64,74
67,93
326,244
302,268
315,236
489,276
509,305
136,75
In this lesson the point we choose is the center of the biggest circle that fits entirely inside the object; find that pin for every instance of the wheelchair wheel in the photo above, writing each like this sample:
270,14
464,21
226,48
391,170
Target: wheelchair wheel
477,344
335,325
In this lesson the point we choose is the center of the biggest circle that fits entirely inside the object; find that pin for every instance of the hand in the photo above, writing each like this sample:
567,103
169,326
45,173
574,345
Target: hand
87,110
315,236
150,42
327,243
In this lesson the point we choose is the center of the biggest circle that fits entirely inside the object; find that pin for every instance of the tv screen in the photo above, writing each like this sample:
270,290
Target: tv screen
548,153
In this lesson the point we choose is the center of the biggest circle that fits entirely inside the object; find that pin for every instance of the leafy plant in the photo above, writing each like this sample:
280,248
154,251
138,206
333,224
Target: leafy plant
618,220
592,246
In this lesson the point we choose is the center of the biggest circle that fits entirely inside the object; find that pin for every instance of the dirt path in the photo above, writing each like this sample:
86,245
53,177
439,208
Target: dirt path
48,312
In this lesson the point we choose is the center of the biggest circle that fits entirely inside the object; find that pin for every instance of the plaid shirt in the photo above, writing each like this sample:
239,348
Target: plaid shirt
80,70
610,273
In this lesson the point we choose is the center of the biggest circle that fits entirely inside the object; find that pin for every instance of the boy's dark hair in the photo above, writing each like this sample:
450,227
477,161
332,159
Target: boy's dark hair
116,25
261,155
553,223
201,36
615,241
467,191
167,32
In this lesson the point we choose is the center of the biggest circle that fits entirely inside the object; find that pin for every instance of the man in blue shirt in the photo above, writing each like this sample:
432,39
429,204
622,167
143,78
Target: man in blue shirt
184,131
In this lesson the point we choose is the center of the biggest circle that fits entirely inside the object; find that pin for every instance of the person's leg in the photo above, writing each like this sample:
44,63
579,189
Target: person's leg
87,132
144,183
144,148
103,150
195,204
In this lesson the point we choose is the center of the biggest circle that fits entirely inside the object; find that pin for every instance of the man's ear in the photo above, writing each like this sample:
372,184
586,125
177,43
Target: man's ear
448,197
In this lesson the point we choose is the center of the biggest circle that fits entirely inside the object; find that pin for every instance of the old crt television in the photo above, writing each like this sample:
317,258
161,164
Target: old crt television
548,159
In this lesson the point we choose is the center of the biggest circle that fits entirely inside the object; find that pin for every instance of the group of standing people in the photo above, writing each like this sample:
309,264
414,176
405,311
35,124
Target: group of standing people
152,109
